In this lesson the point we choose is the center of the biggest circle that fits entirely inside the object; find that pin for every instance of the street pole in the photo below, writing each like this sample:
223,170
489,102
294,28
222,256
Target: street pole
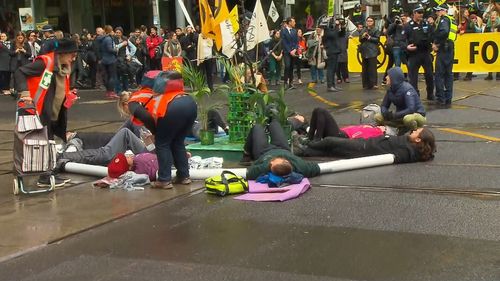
156,13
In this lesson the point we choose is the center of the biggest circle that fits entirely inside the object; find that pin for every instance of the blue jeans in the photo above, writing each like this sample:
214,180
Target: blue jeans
171,130
396,53
317,74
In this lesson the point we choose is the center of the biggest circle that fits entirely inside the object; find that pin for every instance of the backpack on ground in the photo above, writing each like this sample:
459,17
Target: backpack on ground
368,114
226,183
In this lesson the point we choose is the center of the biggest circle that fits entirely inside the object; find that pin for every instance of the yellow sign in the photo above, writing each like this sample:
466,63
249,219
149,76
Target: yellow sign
474,52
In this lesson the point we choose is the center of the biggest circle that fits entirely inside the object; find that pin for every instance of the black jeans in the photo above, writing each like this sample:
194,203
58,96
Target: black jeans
331,69
342,71
323,125
288,60
369,73
154,64
4,80
111,75
298,65
337,147
257,142
415,61
207,68
170,134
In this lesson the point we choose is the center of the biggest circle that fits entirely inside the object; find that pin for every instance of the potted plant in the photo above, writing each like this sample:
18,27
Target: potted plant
203,96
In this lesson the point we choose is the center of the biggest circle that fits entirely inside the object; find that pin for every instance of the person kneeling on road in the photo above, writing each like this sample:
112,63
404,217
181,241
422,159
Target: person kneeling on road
274,157
410,112
418,146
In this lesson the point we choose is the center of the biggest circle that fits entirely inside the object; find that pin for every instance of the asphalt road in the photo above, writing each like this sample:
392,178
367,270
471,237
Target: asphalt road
425,221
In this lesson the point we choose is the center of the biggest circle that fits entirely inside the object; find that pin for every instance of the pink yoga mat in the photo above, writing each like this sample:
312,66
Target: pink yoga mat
263,193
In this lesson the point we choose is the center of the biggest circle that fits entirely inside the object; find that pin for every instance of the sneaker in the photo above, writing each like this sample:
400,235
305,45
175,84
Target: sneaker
332,89
44,181
183,181
246,160
162,185
300,82
338,87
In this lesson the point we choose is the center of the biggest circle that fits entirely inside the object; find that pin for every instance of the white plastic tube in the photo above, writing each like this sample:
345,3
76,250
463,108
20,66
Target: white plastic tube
356,163
325,168
100,171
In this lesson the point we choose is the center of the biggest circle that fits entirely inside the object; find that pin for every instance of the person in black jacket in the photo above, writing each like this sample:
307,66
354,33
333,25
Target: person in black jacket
331,42
418,146
369,38
49,42
20,52
409,109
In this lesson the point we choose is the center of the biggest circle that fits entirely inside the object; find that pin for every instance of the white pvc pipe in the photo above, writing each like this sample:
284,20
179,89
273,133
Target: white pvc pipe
356,163
101,171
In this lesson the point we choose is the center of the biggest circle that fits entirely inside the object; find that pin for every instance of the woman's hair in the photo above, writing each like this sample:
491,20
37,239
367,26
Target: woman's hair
108,29
122,102
20,33
281,169
427,145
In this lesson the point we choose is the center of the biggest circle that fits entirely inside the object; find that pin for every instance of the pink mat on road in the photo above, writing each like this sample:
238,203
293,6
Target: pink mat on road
263,193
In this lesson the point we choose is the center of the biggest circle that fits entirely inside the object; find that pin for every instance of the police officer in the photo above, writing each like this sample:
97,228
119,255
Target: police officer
443,43
428,11
357,15
418,35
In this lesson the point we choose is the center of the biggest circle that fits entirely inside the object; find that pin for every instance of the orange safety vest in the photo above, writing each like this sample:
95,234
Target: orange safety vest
38,85
156,105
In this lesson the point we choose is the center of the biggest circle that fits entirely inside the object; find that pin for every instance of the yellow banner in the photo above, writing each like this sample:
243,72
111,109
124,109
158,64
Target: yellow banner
474,52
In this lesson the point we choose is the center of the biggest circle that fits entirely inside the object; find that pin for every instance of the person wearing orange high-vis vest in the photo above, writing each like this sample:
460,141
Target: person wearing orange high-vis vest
45,83
169,113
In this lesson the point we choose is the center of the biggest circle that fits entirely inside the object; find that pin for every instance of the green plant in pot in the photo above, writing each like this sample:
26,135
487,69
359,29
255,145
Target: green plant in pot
203,97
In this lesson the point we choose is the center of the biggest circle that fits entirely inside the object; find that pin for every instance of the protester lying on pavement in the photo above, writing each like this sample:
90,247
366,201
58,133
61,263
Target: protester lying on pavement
91,140
142,163
323,125
122,141
417,146
274,157
410,112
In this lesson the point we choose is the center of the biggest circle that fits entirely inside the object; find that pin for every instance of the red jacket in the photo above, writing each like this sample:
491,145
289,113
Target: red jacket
152,42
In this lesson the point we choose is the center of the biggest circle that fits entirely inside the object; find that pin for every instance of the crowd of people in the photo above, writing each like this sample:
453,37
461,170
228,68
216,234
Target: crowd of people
160,106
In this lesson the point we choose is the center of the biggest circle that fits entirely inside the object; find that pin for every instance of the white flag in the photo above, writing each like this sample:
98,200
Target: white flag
228,40
184,11
273,12
257,30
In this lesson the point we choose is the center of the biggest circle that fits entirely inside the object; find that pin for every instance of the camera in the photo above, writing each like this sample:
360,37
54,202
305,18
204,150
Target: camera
397,20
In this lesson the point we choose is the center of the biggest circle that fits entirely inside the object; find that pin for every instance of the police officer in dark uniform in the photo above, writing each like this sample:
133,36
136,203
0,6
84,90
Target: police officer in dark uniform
418,34
443,43
357,15
428,11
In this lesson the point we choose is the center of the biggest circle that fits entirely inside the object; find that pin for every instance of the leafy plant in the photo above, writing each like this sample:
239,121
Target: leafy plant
201,92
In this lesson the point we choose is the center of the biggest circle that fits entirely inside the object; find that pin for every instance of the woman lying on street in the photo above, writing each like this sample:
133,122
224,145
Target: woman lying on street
419,145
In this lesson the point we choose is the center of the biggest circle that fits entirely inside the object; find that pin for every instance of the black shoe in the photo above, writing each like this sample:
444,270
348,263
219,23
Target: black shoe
44,181
489,77
246,160
497,78
61,178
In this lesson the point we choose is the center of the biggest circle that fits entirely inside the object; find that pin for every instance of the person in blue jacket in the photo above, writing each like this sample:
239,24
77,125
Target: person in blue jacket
410,112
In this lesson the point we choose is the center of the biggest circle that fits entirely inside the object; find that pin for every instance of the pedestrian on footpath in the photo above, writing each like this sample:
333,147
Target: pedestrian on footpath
109,60
316,55
331,42
369,39
153,43
289,41
4,64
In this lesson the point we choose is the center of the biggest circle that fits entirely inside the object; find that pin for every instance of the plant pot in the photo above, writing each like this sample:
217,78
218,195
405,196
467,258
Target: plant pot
207,137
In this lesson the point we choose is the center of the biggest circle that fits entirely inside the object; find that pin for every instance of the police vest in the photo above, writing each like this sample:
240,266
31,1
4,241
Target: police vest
155,104
38,85
452,35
